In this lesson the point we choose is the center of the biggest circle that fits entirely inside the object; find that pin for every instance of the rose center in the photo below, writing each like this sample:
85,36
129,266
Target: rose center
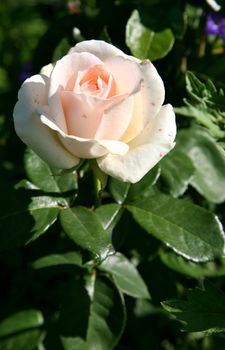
96,81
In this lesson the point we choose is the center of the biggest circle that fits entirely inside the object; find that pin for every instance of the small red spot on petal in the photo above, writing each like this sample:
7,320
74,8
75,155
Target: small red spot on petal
161,154
160,129
153,104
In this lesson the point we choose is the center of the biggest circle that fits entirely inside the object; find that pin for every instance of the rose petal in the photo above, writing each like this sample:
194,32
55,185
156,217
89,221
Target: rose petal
148,103
115,120
29,128
47,70
99,48
80,118
86,148
145,151
126,73
153,90
84,113
138,120
159,131
63,77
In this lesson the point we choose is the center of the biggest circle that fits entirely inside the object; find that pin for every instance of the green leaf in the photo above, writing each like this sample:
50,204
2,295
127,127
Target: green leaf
44,211
94,317
144,43
176,171
70,258
61,50
46,178
208,160
123,191
119,189
203,117
189,268
190,230
109,215
85,229
205,104
204,309
125,275
142,188
21,330
24,218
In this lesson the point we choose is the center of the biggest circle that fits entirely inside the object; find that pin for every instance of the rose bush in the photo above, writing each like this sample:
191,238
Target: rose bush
97,103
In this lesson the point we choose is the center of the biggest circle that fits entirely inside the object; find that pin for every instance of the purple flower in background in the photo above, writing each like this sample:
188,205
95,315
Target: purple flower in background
215,24
26,71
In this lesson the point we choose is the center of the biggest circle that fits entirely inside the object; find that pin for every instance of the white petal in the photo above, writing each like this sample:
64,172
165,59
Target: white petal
126,73
99,48
145,151
148,103
86,148
161,130
29,128
47,70
153,90
63,77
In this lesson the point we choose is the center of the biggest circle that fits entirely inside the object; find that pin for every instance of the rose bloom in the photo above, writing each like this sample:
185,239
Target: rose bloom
97,103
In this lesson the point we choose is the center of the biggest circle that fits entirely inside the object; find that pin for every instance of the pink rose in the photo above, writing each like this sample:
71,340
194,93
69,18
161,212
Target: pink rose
97,103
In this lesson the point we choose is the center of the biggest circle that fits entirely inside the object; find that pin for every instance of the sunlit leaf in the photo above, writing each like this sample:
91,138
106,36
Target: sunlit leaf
85,229
190,230
144,43
125,275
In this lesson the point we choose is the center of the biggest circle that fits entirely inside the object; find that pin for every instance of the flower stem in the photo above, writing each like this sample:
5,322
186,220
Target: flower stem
100,181
98,190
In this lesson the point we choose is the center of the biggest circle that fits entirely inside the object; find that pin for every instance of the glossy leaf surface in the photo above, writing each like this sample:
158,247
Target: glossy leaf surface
125,275
190,230
144,43
85,229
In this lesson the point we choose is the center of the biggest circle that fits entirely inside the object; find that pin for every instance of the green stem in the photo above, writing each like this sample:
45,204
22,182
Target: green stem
98,190
100,181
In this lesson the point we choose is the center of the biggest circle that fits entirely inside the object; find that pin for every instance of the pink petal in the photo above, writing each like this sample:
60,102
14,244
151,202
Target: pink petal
84,114
81,119
63,77
115,120
83,147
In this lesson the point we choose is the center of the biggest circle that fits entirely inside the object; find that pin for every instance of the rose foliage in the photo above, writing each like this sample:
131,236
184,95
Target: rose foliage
111,214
